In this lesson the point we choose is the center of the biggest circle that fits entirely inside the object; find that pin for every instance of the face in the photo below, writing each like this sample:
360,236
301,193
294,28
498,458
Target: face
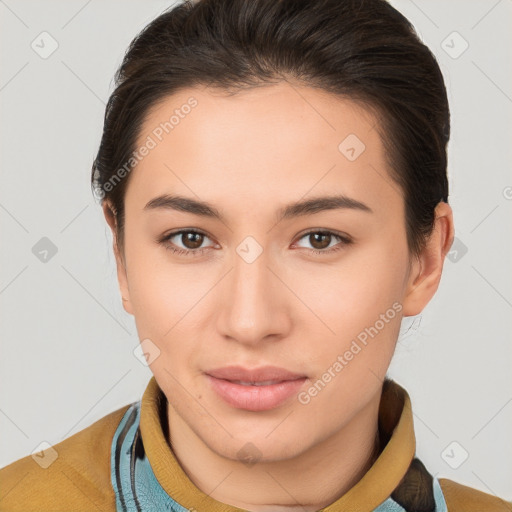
249,281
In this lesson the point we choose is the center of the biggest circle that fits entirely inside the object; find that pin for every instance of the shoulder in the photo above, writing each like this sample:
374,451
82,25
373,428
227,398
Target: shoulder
460,498
71,475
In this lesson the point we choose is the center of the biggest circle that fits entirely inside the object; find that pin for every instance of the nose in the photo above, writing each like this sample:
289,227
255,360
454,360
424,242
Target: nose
255,303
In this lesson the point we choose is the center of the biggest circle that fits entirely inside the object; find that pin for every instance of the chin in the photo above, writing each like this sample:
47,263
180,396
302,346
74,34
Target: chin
251,449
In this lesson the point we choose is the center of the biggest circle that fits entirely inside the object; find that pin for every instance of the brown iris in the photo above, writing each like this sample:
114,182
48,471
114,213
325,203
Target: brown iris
194,239
320,238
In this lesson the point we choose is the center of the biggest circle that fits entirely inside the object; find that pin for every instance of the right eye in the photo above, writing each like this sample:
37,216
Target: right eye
190,239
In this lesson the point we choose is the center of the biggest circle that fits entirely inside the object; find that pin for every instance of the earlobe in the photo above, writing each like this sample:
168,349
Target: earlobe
427,268
122,277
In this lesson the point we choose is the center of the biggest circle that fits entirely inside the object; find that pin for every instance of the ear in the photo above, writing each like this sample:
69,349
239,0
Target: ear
122,278
427,268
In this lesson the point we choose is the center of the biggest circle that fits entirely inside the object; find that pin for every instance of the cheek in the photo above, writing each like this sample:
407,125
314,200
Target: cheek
162,293
163,303
359,305
165,299
352,294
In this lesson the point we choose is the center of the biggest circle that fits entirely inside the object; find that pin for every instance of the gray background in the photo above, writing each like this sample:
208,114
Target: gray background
66,343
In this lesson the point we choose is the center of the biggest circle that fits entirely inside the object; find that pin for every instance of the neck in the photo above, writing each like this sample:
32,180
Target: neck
308,482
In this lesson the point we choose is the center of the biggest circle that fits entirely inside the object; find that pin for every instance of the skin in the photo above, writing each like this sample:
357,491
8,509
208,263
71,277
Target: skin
249,155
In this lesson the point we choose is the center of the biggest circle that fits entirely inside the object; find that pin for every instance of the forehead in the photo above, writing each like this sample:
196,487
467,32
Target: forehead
280,140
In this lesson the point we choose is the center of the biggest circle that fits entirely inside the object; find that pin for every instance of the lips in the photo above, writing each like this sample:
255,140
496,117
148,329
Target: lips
256,389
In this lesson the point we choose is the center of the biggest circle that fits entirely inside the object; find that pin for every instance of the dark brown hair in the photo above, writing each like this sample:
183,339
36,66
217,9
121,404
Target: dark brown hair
363,50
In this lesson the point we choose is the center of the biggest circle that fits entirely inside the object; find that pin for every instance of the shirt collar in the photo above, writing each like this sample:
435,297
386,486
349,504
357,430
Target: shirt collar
379,482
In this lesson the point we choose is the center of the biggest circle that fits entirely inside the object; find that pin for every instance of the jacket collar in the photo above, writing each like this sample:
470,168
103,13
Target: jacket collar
395,417
145,469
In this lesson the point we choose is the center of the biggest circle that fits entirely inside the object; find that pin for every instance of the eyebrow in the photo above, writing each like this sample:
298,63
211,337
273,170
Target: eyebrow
296,209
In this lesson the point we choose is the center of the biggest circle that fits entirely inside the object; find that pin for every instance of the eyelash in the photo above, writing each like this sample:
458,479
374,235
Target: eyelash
344,239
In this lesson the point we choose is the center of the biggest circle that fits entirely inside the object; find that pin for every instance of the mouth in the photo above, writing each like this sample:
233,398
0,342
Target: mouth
258,389
263,383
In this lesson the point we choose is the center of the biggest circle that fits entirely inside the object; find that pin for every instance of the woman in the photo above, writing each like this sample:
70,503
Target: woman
274,175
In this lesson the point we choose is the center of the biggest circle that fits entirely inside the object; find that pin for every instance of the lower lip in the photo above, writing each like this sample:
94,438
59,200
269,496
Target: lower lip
255,398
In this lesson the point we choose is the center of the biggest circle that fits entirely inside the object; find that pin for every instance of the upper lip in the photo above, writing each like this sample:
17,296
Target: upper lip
261,374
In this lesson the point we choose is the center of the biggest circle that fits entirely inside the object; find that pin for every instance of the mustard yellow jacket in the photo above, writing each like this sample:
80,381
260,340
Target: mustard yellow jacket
123,462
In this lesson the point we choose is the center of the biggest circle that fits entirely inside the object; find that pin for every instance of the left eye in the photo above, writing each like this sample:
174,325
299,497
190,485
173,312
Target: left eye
321,240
